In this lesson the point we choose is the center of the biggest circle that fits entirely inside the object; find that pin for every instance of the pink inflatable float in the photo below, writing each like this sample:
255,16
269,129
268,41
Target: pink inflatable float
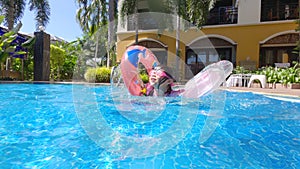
161,83
129,67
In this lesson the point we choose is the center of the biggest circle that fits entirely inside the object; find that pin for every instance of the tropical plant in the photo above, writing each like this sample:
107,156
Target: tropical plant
62,61
13,10
289,75
29,66
25,64
7,45
94,14
70,56
199,10
241,70
57,58
91,14
271,74
282,75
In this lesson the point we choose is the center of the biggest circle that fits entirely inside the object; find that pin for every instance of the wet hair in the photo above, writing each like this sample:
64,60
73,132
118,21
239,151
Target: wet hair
163,80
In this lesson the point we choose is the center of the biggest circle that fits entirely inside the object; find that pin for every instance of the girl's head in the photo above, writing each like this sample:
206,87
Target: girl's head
161,81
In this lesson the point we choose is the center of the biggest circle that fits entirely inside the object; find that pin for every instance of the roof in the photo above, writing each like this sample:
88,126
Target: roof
23,37
53,38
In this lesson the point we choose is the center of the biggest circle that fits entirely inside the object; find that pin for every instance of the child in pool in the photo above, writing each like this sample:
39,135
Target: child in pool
160,83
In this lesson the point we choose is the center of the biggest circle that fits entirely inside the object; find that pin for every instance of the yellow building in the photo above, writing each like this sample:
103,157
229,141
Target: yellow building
252,34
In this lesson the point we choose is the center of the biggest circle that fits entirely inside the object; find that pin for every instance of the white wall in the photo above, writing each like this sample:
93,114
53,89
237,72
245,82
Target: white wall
249,11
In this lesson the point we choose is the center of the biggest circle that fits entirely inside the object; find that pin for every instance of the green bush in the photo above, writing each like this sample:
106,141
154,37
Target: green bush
57,59
275,75
282,75
98,75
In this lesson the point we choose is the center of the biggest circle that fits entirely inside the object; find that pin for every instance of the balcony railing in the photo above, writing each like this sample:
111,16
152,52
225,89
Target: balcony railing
148,21
143,24
222,15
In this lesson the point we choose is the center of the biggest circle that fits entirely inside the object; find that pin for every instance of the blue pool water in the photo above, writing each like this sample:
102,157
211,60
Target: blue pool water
41,127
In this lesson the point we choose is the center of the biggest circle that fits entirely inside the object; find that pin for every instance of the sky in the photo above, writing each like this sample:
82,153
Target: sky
62,20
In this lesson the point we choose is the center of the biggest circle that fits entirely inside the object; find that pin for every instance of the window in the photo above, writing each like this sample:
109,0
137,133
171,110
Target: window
271,55
191,58
161,55
213,56
202,56
223,12
199,58
273,10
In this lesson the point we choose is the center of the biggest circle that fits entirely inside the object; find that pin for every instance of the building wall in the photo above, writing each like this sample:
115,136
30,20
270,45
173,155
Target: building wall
126,39
246,35
247,38
249,11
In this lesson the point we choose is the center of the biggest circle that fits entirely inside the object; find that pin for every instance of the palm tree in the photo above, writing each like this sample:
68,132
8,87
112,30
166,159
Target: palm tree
297,48
92,14
194,11
197,12
13,10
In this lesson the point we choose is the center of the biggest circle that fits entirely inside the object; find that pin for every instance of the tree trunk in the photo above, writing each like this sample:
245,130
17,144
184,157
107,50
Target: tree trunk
136,21
299,31
10,17
111,24
177,46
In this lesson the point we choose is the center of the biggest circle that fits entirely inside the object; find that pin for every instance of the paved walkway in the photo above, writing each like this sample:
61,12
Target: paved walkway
282,92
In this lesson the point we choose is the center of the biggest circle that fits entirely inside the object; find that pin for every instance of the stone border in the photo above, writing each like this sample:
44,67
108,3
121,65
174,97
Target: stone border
277,92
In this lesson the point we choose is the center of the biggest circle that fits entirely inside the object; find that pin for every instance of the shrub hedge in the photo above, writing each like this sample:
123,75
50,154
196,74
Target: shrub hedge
98,75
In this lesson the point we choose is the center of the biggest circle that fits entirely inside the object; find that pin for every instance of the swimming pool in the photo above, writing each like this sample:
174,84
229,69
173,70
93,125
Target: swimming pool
40,128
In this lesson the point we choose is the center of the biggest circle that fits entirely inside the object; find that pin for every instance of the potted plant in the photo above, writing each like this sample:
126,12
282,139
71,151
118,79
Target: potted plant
282,77
293,76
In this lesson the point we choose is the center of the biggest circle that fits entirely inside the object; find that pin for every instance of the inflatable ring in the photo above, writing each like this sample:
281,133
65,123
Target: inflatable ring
129,67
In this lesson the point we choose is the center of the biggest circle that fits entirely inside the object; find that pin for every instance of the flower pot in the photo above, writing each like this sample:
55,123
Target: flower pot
277,86
284,86
294,86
